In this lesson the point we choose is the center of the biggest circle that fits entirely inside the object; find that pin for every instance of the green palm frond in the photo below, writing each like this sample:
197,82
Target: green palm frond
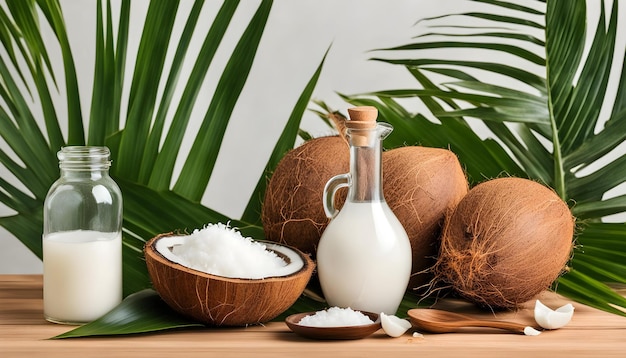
135,146
133,125
543,125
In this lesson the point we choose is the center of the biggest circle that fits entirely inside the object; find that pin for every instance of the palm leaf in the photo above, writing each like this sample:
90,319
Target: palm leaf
153,161
134,315
286,141
76,133
149,66
199,165
142,169
549,129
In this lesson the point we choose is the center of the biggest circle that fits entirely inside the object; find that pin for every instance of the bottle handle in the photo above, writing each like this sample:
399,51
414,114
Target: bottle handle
335,183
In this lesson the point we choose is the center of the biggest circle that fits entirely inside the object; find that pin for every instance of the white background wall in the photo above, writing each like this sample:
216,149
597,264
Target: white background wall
296,37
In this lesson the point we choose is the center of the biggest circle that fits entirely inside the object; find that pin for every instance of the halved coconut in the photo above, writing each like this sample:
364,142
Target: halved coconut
224,301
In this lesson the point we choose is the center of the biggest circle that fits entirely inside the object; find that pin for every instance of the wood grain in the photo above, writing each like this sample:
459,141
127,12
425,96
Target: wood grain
24,332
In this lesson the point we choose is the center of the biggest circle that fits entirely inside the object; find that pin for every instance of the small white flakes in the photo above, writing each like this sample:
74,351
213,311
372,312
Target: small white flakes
221,250
335,317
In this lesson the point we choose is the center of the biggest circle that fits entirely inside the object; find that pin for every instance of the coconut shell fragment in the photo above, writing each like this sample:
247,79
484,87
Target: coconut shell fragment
507,240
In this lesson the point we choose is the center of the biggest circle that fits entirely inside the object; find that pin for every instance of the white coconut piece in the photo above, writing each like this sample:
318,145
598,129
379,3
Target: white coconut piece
553,319
393,325
530,331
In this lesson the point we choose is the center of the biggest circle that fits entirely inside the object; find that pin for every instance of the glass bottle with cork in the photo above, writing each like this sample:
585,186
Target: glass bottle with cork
364,254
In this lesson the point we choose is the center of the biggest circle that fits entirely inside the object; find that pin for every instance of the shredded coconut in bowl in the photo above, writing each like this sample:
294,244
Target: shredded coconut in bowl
221,250
336,317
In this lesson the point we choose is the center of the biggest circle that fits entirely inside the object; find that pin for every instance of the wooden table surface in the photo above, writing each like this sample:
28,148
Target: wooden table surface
24,332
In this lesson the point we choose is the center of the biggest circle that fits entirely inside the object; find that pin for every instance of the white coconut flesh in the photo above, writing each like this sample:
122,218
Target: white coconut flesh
394,326
553,319
291,259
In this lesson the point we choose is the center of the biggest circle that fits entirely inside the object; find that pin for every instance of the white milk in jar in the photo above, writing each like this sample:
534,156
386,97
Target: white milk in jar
82,238
353,259
83,275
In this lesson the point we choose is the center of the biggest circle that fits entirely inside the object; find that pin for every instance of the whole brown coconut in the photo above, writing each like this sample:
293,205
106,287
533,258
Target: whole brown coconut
421,185
506,241
293,213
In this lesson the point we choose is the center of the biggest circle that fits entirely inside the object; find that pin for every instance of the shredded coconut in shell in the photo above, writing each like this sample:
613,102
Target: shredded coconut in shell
221,250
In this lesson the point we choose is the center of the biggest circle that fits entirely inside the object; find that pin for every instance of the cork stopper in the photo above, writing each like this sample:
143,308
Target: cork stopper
361,120
363,117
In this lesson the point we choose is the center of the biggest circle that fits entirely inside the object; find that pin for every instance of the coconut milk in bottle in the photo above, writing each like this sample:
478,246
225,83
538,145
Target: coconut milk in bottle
82,238
364,254
83,271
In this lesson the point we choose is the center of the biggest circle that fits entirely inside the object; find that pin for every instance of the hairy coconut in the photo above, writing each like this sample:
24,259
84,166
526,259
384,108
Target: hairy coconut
421,185
293,213
507,240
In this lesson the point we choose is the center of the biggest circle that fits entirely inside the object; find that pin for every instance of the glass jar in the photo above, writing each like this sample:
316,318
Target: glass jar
82,238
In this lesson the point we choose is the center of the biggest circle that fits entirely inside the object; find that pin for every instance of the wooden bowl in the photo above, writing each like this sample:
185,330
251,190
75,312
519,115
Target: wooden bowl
333,333
223,301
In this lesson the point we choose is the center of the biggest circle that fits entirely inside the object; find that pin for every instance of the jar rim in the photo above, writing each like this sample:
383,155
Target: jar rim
78,157
85,149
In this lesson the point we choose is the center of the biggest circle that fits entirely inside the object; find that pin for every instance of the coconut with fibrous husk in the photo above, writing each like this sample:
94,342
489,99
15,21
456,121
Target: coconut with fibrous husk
421,185
507,240
293,213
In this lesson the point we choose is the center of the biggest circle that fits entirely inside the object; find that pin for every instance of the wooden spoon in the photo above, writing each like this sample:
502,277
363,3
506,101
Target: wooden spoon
438,321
